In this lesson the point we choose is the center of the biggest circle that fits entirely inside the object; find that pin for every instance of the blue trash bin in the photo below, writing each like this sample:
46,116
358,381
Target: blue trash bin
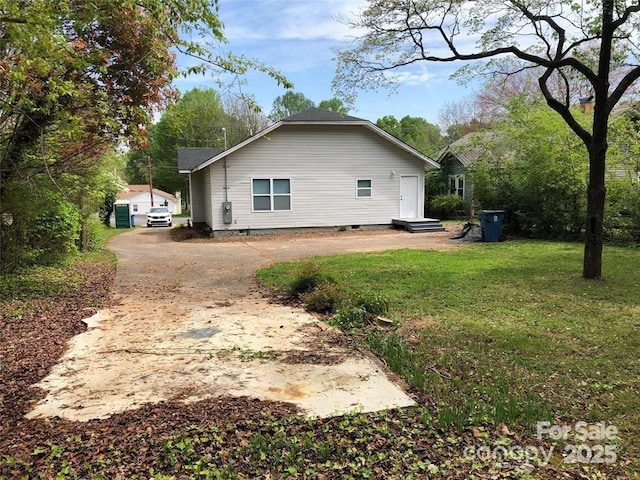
133,220
491,223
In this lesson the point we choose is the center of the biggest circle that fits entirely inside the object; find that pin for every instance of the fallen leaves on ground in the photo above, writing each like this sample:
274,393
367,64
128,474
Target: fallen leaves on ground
218,438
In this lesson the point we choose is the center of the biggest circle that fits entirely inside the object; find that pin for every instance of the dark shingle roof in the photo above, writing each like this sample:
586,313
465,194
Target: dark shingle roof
319,115
469,148
190,157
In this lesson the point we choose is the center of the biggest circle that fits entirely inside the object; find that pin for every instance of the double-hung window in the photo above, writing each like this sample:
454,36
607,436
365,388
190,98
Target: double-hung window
363,188
270,194
456,185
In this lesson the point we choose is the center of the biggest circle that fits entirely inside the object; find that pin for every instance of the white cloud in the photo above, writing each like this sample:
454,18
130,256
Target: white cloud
273,20
417,77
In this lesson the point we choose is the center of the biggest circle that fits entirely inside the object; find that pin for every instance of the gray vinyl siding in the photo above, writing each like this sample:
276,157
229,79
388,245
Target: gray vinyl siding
323,164
198,197
207,196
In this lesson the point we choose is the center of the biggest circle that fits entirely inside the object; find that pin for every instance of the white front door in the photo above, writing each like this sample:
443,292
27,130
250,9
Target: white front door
408,197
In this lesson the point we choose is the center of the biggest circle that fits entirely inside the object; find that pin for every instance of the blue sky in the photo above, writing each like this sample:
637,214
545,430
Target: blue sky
297,37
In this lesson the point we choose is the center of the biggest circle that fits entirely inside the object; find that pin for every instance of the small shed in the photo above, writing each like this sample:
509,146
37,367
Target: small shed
122,214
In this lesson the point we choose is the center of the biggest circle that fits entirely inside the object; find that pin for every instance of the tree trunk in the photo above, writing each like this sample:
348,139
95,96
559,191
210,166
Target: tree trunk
592,262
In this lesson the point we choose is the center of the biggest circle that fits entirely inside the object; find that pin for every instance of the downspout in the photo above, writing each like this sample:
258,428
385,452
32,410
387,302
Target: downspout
190,196
226,184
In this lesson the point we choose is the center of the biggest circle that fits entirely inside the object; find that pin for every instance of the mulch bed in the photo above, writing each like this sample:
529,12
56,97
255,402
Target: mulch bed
33,337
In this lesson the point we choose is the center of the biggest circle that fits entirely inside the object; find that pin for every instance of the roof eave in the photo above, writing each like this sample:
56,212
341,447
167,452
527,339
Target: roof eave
430,164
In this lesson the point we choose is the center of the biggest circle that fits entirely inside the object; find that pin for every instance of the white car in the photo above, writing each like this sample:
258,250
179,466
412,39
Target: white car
159,216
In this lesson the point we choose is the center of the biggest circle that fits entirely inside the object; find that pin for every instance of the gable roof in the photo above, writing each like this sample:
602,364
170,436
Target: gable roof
314,114
311,116
131,191
469,148
191,157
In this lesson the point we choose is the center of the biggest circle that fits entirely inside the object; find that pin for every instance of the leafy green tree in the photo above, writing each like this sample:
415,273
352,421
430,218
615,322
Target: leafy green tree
537,170
415,131
574,43
93,189
390,124
288,104
78,77
623,179
335,105
198,119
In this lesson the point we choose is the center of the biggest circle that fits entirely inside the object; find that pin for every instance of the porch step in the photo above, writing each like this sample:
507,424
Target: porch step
419,225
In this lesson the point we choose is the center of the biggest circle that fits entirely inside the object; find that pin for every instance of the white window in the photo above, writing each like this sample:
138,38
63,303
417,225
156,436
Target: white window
363,188
271,194
135,207
456,185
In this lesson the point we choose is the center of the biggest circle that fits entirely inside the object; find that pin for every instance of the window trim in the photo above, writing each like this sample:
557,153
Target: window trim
456,179
271,195
369,188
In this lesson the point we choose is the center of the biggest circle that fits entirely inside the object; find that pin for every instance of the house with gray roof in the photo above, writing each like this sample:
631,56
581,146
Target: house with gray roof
456,158
312,169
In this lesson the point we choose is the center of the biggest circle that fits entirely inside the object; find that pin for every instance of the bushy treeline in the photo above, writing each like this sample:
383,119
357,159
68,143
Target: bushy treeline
536,169
50,215
76,80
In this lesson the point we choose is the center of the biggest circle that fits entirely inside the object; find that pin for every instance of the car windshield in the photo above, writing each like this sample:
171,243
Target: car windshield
159,210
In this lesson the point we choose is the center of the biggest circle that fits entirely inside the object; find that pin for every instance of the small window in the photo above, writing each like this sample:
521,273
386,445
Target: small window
363,189
456,185
135,208
271,194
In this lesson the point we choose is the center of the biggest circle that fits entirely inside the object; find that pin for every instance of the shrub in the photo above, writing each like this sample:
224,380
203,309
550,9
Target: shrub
373,305
622,211
359,310
308,278
445,206
349,318
325,298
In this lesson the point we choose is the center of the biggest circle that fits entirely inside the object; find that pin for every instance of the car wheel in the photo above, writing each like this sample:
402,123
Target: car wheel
170,224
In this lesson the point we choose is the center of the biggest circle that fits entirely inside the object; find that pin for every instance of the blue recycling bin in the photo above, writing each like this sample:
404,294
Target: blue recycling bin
491,223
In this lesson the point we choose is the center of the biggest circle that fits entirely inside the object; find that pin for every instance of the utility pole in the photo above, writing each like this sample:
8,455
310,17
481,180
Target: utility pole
150,180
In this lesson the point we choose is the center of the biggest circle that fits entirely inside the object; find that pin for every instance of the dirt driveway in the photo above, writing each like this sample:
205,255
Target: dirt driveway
188,323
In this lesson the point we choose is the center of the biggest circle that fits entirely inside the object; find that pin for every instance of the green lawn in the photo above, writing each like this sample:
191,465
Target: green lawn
505,333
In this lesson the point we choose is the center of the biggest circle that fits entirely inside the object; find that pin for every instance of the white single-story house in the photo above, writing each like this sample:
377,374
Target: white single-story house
315,168
139,199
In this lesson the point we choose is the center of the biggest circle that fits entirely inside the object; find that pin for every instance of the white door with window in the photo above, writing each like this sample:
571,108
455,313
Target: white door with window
408,197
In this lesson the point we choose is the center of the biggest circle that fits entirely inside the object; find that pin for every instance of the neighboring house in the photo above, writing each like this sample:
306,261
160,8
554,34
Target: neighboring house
315,168
455,160
140,200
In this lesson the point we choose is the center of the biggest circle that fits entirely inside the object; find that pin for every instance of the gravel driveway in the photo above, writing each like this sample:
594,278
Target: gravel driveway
188,322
